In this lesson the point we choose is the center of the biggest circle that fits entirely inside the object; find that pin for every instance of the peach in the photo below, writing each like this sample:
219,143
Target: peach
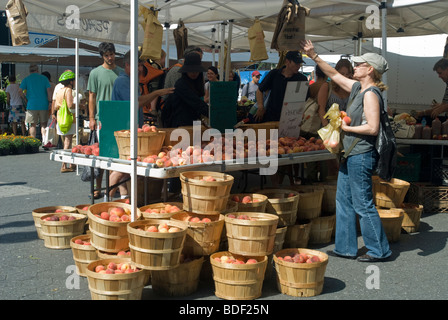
195,219
160,163
347,120
236,198
247,199
124,266
125,218
79,241
58,211
85,208
87,243
163,230
99,268
112,265
251,261
121,253
173,229
224,258
152,229
315,259
110,271
129,270
118,211
115,218
232,216
206,220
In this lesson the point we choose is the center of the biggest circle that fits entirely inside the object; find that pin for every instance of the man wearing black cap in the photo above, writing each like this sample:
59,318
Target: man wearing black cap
276,81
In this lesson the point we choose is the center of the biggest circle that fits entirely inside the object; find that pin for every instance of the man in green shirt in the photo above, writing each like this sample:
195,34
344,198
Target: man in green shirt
100,85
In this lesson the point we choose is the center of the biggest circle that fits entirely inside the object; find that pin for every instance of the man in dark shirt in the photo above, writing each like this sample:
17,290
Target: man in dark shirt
276,81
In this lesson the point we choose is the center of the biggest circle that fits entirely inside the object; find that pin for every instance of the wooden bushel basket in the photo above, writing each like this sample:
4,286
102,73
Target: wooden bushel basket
238,281
160,206
83,254
149,143
204,196
156,250
322,229
329,197
125,286
310,201
278,245
298,235
57,234
114,255
255,206
251,237
40,212
108,236
300,279
203,238
392,220
180,281
282,204
389,194
412,215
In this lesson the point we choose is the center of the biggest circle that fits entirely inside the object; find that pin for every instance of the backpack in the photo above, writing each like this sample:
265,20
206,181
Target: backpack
151,73
386,145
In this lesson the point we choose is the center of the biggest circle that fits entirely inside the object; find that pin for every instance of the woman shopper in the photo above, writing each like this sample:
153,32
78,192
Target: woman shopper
16,99
212,75
186,104
67,79
354,194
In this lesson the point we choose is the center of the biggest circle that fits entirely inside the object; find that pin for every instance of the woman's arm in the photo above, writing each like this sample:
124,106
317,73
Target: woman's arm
345,83
372,113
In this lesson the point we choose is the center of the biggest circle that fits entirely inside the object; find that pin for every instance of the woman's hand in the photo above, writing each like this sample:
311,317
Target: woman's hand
308,48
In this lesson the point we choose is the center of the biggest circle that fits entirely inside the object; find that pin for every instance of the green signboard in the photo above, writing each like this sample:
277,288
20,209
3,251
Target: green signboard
223,101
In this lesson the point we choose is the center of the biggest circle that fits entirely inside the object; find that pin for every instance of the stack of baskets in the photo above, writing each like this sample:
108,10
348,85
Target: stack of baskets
389,198
251,236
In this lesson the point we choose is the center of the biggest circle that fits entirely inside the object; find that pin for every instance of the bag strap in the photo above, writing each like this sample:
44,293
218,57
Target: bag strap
345,155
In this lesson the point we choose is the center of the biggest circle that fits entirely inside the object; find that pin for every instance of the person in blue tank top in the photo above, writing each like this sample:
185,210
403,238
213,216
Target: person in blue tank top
354,195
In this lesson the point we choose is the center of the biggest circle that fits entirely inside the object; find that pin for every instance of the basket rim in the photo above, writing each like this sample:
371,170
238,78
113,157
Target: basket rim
122,276
131,227
267,218
299,250
78,216
39,210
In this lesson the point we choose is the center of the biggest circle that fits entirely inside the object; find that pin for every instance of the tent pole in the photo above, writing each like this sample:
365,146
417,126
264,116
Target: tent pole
134,105
213,46
76,93
221,51
229,49
383,8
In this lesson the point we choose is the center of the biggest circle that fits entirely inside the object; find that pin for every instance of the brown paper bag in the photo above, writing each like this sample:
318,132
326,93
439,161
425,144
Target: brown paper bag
181,39
152,41
290,28
16,13
256,42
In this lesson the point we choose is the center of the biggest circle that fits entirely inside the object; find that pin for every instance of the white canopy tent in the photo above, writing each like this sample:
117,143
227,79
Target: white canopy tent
328,20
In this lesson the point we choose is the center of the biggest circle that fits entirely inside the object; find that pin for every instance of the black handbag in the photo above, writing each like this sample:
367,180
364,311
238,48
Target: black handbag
86,174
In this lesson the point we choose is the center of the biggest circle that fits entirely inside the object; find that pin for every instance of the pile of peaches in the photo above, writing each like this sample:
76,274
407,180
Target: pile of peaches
300,258
162,227
63,217
167,209
115,214
245,199
116,268
233,260
93,149
82,242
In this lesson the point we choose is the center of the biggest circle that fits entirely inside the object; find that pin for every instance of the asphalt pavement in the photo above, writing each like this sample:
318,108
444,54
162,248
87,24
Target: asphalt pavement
30,271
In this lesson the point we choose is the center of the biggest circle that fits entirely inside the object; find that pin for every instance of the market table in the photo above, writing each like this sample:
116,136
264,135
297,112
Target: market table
150,170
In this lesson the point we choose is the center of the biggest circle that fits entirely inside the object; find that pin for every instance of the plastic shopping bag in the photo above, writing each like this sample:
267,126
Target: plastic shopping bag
50,135
330,134
65,117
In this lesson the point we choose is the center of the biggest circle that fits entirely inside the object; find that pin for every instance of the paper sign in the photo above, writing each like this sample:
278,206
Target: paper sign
293,108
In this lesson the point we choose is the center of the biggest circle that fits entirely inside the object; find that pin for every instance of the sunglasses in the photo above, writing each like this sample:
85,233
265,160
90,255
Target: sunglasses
361,64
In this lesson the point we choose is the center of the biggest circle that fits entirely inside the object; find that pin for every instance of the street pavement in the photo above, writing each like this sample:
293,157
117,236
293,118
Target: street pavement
30,271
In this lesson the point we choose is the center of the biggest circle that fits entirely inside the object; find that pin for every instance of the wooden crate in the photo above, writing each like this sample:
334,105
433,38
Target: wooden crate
433,198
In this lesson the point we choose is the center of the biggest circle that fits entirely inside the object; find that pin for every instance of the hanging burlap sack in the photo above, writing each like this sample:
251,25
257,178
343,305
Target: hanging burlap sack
152,41
181,39
256,42
16,13
290,28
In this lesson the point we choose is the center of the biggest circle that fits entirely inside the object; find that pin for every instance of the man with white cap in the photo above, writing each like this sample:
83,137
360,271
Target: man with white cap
354,194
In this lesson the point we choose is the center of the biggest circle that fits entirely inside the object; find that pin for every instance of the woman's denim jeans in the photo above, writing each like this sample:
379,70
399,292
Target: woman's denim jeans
354,196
